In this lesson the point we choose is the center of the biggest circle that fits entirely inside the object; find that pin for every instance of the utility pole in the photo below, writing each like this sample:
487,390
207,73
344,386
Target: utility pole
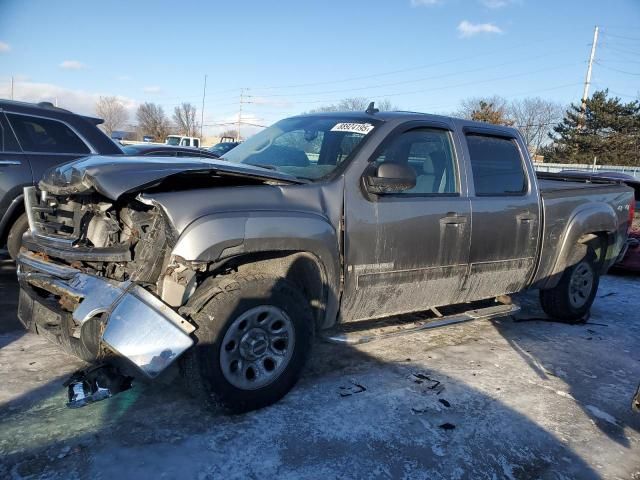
204,94
240,113
587,80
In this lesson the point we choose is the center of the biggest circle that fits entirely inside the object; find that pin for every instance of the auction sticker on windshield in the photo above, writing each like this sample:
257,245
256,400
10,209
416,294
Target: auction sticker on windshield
362,128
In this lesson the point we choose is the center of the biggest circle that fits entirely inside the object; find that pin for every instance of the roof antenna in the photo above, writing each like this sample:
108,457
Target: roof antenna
371,109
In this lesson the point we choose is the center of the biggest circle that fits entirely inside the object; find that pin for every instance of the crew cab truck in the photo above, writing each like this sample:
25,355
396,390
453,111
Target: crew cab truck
182,141
228,268
34,138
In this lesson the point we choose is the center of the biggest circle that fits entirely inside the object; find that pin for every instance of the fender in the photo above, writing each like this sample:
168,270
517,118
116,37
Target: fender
216,237
586,219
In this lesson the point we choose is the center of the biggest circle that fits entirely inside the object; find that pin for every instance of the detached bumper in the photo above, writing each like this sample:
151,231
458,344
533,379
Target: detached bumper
135,324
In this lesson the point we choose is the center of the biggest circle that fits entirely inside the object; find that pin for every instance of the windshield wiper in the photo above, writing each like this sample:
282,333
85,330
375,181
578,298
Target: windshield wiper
261,165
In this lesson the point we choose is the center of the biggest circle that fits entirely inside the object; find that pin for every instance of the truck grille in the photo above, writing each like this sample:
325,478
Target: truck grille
57,218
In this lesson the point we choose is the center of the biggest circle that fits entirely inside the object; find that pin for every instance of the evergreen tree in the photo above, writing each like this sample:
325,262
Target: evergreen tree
607,129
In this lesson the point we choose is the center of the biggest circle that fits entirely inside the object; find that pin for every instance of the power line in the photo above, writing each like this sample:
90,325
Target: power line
617,69
404,82
622,37
446,87
620,50
402,70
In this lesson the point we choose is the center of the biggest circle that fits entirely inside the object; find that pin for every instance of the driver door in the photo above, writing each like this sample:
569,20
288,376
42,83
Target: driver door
408,251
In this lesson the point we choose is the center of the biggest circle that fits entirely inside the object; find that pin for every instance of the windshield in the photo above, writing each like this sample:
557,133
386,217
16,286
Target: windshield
173,140
130,149
308,147
222,148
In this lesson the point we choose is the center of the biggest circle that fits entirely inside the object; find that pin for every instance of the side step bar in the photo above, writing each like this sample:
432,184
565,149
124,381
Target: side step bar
355,337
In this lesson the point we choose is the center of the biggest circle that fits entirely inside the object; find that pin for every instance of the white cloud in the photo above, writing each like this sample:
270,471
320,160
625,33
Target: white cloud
78,101
152,89
424,3
123,78
468,29
495,3
4,47
72,65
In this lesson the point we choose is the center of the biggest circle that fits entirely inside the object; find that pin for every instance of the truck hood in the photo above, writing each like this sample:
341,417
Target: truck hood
113,176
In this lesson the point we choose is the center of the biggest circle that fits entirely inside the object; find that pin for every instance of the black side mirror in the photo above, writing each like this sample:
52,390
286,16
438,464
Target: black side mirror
390,177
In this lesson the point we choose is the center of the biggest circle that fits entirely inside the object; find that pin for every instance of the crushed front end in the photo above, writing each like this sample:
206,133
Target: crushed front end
90,273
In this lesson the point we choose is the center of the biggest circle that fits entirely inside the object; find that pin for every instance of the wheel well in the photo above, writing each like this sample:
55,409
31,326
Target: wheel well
15,214
300,268
599,242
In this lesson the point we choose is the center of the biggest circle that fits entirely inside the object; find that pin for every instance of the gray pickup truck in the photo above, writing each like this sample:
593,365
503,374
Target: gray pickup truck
328,224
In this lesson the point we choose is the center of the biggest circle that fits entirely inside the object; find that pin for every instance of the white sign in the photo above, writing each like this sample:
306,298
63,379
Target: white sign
362,128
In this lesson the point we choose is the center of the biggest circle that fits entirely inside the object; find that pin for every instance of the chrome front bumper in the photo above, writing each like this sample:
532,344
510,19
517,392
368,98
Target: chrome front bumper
138,325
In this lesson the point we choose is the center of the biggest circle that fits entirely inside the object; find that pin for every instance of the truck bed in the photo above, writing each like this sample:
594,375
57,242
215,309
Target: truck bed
561,195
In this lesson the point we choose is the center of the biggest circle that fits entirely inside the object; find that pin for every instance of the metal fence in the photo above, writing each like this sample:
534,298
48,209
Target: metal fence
557,167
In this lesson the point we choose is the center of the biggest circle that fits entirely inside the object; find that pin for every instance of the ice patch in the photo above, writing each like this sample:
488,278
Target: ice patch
602,415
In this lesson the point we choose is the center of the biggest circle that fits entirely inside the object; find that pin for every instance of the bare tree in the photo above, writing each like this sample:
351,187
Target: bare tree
535,118
113,112
486,109
184,118
152,121
357,104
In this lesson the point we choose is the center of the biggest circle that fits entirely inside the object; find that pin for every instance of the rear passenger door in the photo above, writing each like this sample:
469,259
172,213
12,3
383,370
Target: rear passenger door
505,215
47,142
15,172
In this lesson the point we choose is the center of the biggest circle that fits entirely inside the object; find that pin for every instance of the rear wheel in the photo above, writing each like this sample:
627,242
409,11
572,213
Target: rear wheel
572,298
14,238
253,339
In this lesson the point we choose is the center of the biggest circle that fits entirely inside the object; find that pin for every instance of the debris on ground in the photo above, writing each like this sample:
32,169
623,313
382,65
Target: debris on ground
347,391
447,426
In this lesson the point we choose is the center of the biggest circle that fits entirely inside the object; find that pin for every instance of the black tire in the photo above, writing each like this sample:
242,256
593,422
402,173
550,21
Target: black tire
567,303
14,238
202,365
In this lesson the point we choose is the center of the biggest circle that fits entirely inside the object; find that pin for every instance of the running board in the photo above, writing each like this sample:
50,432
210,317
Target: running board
356,337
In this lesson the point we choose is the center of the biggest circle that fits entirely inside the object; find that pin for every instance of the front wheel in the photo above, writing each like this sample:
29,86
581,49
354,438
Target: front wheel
572,298
253,339
14,238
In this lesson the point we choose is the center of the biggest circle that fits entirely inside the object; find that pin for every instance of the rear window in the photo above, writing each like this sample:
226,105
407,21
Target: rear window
497,166
44,135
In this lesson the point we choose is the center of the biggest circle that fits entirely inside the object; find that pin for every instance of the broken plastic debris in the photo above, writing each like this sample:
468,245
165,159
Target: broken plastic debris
95,384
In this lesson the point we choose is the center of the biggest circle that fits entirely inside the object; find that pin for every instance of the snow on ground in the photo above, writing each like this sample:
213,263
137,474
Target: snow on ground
511,398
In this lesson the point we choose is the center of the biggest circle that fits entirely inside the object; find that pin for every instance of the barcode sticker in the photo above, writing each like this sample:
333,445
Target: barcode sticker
362,128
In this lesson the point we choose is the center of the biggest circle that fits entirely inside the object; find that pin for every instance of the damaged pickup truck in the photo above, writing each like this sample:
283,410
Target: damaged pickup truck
320,224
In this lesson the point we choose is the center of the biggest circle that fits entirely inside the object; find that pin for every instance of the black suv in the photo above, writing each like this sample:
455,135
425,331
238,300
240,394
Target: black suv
33,138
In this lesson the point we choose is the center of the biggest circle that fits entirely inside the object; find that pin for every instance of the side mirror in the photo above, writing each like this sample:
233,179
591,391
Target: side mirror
390,178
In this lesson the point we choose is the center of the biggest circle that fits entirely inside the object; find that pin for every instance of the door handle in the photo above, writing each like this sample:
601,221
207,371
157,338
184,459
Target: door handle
453,219
525,218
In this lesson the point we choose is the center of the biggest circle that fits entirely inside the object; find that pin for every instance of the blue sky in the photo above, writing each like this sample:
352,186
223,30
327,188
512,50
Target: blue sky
293,56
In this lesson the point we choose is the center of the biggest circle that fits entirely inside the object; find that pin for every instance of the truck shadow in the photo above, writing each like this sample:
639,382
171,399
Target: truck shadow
350,415
571,355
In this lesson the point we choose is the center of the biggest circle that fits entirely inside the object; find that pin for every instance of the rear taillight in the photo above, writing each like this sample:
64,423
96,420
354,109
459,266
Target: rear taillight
632,211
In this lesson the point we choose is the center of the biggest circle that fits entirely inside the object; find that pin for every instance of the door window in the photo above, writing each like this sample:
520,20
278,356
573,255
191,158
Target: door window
429,152
497,166
44,135
7,140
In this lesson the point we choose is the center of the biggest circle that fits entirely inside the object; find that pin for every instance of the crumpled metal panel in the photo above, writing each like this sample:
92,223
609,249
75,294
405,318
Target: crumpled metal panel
139,326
